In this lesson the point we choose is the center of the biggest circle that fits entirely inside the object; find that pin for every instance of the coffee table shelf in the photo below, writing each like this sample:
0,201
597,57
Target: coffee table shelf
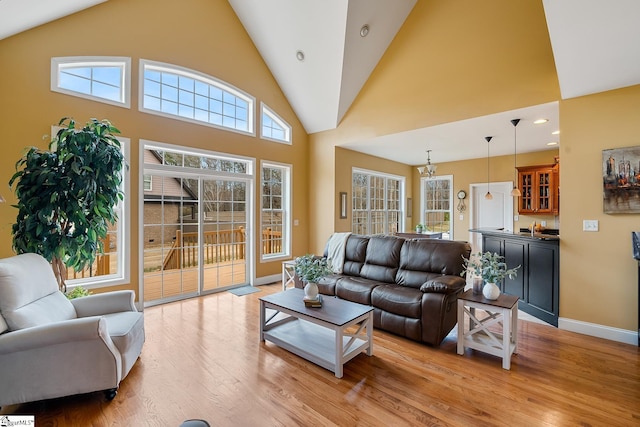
329,336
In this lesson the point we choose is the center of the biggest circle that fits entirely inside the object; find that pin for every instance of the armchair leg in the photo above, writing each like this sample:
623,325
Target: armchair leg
111,393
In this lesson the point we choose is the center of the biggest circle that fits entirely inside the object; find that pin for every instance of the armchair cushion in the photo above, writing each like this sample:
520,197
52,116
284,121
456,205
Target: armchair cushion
29,294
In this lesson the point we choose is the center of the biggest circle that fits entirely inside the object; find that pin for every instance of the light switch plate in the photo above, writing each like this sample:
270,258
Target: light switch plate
590,225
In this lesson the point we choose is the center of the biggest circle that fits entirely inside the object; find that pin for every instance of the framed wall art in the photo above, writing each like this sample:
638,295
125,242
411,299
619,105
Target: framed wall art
621,180
343,204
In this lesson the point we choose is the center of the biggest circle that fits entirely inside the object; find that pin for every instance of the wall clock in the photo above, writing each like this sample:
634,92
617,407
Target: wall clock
461,196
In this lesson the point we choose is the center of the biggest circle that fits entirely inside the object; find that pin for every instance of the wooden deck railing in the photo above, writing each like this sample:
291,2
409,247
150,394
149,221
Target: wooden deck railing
218,246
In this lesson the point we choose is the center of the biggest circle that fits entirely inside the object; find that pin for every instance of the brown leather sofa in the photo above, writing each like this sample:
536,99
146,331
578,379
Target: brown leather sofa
413,285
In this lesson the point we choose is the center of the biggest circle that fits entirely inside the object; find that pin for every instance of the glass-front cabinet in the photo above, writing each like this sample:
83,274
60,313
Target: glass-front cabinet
540,189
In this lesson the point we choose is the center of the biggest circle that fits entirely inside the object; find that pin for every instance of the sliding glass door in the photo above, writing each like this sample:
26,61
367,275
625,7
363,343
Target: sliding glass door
195,226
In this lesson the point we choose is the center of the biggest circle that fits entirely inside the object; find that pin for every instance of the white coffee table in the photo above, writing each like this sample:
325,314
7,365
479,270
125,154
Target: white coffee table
328,336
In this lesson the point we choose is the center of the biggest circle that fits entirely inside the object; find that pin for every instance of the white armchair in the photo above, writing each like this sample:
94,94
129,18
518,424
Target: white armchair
52,347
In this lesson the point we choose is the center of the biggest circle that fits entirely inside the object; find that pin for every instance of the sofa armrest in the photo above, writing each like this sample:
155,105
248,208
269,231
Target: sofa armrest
105,303
66,331
444,285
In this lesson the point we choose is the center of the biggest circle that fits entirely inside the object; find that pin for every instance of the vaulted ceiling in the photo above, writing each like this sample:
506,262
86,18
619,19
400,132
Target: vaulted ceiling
323,52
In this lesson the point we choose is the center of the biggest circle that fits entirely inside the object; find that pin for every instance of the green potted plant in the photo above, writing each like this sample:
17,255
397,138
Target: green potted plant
310,269
420,228
491,268
67,195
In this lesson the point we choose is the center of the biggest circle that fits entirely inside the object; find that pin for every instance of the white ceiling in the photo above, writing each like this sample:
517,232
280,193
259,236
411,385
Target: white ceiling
594,42
21,15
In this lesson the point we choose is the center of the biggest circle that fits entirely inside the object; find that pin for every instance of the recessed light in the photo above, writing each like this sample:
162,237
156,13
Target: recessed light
556,132
540,121
364,31
552,143
300,55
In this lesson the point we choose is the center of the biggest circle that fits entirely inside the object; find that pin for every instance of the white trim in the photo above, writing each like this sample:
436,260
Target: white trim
599,331
146,64
123,62
265,109
267,280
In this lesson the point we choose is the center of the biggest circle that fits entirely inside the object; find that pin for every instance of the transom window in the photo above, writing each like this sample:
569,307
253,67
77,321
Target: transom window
275,210
177,92
436,205
195,160
273,127
377,203
103,79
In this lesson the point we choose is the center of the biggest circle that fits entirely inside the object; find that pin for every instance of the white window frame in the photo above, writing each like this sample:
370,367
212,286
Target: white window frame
124,63
423,204
287,171
203,78
402,209
123,235
265,110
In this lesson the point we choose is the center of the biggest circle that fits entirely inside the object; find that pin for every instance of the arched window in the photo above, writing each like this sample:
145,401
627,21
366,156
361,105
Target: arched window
104,79
176,92
273,127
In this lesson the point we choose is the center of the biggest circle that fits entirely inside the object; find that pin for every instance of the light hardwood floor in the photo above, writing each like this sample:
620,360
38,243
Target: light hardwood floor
203,359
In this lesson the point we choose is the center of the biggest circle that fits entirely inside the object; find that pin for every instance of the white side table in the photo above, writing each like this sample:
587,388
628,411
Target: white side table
476,334
288,273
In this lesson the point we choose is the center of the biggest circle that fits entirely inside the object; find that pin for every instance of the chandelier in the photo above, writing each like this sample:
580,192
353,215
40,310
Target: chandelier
428,169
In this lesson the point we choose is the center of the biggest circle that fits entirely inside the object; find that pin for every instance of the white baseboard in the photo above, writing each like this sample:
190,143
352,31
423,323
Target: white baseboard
267,280
600,331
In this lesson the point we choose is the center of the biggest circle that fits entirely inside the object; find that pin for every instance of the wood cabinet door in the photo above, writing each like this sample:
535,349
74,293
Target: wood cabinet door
515,253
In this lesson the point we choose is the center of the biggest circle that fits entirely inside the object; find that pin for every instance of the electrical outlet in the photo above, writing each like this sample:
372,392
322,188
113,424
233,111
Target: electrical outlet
295,222
461,217
590,225
516,217
543,223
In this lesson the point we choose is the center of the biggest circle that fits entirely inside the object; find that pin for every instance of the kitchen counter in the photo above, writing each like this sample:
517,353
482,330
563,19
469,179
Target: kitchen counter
522,235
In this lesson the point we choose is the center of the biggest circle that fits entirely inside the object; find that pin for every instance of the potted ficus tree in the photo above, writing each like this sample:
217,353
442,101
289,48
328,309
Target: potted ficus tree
67,195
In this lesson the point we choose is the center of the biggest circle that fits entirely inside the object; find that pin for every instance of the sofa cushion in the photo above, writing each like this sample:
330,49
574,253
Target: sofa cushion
422,260
356,289
383,257
398,300
355,254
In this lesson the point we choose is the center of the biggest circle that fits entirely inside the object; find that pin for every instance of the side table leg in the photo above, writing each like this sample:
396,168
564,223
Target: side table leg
514,328
370,333
460,326
506,338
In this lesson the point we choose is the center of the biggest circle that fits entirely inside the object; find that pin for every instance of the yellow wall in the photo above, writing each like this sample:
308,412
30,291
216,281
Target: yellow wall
598,276
205,36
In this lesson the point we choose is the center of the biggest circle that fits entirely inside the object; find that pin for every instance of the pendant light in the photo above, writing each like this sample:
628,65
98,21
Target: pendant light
488,196
428,169
516,191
